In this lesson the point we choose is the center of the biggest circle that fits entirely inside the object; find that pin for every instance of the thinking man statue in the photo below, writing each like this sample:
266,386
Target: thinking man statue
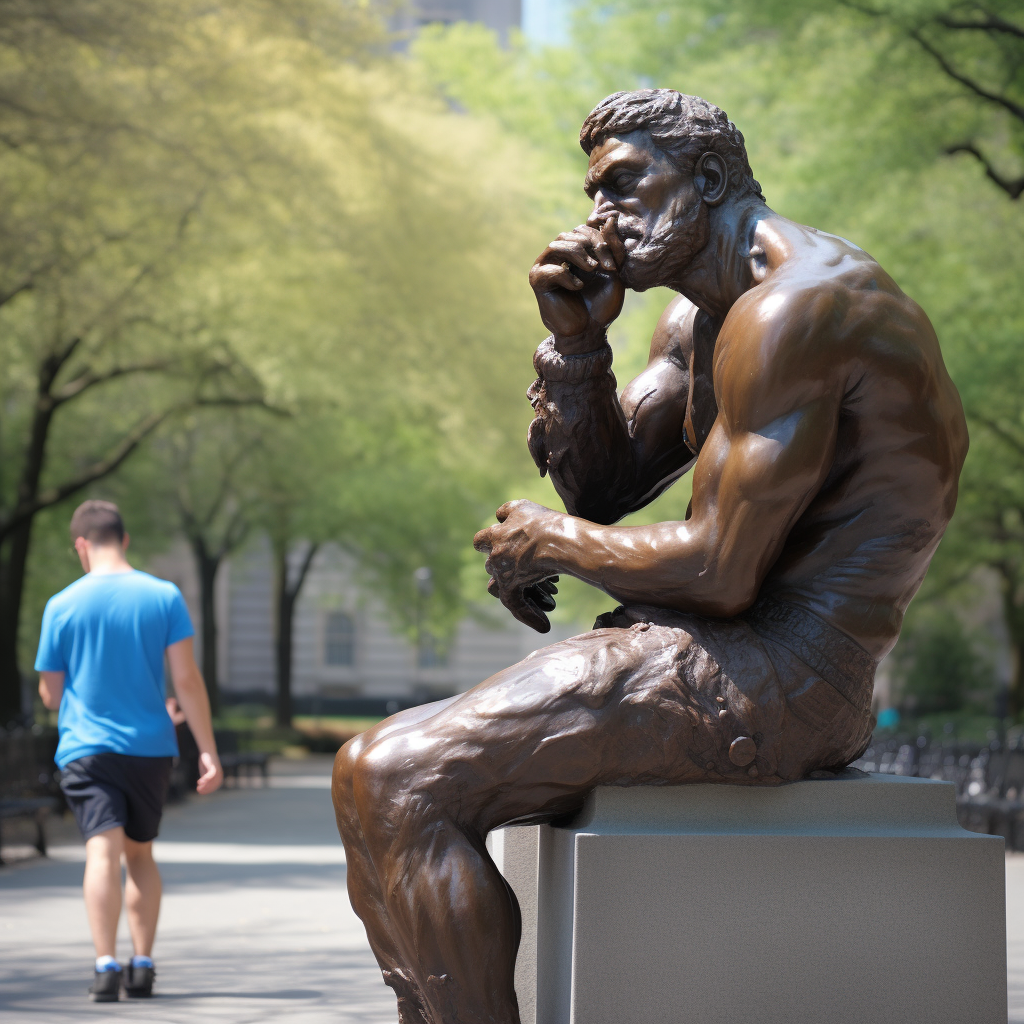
809,396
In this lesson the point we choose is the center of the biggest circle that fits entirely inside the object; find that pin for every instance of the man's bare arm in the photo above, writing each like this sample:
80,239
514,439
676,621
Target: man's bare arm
51,689
766,457
190,689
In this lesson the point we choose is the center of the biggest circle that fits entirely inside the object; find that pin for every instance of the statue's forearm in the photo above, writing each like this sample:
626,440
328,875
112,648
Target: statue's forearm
674,565
579,433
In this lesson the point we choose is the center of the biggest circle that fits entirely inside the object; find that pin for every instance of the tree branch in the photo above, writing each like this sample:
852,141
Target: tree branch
235,532
992,23
1001,432
88,379
1013,188
1007,104
26,509
293,592
229,402
11,293
52,365
103,467
226,475
862,9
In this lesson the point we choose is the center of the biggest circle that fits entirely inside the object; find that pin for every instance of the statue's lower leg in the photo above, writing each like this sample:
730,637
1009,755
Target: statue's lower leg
454,917
368,903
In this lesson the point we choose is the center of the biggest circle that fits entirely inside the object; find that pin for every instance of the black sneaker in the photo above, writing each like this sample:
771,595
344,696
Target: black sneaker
138,982
106,986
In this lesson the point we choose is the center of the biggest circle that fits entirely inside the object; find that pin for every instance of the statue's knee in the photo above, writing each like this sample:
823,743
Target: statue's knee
379,777
345,762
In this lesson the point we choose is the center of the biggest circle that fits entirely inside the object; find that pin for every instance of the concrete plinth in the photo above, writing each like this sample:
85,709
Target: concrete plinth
845,900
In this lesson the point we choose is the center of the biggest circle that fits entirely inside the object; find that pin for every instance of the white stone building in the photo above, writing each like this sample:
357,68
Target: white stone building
345,649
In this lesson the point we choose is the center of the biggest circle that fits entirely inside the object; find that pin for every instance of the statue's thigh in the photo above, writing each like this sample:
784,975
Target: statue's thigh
612,707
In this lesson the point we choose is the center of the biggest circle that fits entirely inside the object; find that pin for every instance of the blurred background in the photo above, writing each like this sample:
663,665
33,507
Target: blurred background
263,282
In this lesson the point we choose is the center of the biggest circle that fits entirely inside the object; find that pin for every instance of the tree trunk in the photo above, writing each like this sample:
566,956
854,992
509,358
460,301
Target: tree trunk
1015,699
284,608
1013,615
13,561
14,541
207,566
286,597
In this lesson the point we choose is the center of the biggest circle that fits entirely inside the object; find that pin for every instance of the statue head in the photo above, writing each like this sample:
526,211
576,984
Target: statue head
661,161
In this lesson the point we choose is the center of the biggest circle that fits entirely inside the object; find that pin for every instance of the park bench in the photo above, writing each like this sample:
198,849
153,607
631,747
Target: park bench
28,787
999,806
989,780
237,762
37,808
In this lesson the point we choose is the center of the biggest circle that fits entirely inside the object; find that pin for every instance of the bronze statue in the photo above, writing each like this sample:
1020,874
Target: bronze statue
808,395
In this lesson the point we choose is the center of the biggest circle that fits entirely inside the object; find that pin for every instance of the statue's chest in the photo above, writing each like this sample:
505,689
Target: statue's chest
701,406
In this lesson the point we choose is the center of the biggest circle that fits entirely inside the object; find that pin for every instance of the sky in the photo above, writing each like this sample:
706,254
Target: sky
546,22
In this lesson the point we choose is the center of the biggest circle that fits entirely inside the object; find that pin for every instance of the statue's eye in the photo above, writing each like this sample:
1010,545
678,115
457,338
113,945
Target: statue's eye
623,182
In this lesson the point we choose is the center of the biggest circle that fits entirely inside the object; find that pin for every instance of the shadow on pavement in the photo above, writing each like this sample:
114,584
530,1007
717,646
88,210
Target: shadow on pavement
180,878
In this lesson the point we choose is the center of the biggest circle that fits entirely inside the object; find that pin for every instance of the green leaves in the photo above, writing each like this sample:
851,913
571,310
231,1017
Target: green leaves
252,221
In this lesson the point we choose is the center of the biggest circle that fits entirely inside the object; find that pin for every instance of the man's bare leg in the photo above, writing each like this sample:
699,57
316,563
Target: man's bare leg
143,889
101,886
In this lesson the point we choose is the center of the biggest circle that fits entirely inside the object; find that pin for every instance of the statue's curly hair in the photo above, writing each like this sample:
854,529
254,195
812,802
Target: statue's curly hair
683,127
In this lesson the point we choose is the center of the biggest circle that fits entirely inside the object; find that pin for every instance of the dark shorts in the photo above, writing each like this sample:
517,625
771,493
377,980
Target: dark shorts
106,790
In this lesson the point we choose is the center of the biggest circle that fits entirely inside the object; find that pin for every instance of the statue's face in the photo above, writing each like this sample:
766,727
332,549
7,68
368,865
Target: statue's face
662,219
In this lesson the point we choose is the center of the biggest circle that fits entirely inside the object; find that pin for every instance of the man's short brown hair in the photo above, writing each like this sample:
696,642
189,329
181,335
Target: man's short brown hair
97,521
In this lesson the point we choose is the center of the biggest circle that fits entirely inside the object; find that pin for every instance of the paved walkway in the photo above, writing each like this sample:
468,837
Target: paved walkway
256,924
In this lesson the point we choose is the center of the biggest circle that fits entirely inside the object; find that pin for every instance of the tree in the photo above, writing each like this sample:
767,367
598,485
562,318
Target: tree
940,668
106,183
980,47
196,480
234,205
383,489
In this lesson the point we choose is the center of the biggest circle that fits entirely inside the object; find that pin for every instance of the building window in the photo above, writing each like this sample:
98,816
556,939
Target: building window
339,639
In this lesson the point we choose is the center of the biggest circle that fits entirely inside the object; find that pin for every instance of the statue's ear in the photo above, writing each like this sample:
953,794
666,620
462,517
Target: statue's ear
711,176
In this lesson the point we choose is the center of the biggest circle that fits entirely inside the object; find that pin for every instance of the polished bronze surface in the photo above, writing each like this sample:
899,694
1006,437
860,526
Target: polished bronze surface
808,396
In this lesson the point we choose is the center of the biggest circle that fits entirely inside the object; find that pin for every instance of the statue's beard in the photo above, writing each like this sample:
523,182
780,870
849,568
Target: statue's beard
661,258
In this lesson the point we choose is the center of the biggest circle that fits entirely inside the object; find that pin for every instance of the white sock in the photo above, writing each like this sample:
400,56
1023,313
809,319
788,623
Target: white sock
107,963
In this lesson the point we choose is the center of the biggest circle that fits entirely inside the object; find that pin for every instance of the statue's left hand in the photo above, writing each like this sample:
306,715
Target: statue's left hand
518,579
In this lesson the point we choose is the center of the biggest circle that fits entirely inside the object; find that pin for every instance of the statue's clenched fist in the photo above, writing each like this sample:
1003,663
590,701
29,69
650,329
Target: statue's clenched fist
576,280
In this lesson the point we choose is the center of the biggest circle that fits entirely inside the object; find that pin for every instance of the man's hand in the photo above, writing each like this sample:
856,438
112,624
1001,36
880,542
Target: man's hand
576,280
213,775
518,579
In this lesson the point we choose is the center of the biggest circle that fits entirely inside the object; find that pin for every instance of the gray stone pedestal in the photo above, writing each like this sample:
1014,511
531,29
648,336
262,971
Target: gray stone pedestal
852,900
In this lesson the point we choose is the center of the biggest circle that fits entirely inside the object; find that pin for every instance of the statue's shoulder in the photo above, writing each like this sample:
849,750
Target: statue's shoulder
816,279
805,263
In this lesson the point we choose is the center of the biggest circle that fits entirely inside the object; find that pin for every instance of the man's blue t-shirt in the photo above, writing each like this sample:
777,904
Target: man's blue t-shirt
107,633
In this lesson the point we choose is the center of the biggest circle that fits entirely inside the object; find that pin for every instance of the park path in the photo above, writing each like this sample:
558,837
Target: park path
256,925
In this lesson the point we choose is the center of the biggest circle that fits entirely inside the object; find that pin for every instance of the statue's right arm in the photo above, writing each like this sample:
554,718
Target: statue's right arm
608,456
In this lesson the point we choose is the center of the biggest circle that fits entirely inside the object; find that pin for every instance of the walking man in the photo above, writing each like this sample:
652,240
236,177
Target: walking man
101,662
